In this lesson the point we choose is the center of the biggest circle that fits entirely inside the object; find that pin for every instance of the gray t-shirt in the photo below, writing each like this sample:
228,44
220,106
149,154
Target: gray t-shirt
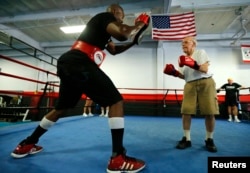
201,57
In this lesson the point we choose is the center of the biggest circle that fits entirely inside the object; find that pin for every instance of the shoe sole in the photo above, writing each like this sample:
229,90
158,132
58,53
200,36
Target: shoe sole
18,156
182,148
211,150
133,171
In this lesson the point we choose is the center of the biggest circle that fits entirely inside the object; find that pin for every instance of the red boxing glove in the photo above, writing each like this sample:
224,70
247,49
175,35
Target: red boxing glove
143,18
170,70
188,61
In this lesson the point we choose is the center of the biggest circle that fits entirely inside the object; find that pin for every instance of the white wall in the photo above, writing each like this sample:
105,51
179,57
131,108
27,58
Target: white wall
10,83
135,68
142,67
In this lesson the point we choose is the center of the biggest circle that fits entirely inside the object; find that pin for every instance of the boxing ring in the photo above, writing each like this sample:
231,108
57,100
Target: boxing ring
137,100
155,98
18,109
176,96
44,92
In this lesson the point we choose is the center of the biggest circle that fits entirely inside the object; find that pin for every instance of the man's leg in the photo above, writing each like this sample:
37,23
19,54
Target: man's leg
229,110
90,108
210,124
107,112
102,112
27,146
235,113
119,161
85,111
185,142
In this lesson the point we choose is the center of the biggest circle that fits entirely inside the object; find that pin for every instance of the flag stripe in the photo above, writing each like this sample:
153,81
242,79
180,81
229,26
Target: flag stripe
174,34
185,28
174,27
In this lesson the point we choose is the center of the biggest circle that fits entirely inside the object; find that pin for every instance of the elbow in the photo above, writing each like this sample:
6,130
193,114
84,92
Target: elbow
203,71
124,33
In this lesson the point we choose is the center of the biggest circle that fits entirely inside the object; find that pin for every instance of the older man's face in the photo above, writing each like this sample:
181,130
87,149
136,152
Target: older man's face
188,45
230,81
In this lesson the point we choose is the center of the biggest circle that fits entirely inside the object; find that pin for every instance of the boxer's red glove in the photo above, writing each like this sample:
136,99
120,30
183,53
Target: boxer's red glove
188,61
170,70
143,18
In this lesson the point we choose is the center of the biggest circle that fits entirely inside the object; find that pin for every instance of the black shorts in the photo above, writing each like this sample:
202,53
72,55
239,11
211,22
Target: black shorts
79,75
231,101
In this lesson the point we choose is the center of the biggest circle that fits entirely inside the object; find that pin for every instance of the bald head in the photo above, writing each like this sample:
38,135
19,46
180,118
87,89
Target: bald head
117,11
191,38
230,80
113,7
188,45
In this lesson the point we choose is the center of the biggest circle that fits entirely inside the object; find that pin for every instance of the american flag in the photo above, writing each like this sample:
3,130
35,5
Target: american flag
173,27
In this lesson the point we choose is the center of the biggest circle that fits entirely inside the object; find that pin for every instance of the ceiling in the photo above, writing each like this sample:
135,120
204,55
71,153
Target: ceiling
37,22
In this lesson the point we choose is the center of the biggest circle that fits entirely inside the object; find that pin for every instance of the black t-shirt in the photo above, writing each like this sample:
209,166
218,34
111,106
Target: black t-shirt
231,89
95,32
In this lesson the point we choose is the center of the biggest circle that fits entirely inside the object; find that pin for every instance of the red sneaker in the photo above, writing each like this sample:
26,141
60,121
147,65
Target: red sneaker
123,163
25,149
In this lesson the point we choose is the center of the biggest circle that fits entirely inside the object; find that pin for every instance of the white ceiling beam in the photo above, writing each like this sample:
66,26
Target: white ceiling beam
128,9
190,4
21,36
61,14
148,38
167,5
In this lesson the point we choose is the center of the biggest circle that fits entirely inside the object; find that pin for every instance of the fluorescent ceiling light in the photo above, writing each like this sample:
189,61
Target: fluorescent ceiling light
73,29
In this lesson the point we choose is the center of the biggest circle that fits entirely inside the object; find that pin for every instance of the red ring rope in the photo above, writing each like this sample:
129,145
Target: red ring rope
27,65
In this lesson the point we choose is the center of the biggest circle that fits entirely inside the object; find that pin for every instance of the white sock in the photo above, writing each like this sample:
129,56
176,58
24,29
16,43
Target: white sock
209,135
187,135
46,124
116,122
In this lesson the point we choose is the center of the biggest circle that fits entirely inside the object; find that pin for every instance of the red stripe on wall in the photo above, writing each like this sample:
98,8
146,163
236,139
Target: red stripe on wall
136,97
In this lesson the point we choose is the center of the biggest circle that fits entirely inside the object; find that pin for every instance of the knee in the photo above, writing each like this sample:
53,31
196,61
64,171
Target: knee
119,103
209,117
54,115
116,110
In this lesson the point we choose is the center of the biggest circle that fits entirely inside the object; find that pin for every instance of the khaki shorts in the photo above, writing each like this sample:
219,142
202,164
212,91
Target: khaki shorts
200,94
